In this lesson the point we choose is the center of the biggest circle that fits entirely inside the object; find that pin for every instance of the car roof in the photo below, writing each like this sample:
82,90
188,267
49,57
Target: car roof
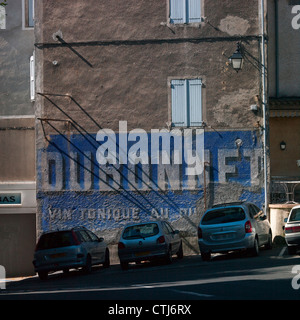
142,222
296,207
230,204
65,230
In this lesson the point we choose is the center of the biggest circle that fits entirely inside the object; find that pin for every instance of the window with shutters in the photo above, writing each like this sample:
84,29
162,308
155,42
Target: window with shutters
185,11
186,102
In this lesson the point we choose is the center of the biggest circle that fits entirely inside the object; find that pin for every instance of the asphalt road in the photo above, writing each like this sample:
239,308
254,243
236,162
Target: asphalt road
226,277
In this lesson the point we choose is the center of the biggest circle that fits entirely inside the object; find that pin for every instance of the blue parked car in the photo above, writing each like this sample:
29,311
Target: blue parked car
233,226
147,241
67,249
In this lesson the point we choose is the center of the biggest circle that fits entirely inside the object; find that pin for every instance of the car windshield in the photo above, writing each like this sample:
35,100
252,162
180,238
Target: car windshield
55,240
295,215
224,215
141,231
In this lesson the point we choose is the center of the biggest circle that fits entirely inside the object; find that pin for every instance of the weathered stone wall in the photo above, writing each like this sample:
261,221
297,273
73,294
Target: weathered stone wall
113,62
116,59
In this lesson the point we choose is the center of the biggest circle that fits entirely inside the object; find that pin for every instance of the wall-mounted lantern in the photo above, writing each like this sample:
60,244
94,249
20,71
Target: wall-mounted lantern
237,59
282,145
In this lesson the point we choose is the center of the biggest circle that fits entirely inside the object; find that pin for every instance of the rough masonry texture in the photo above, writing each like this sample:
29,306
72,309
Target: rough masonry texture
102,62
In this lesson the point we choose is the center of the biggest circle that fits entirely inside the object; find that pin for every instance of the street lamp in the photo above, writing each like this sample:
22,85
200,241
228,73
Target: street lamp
282,145
237,60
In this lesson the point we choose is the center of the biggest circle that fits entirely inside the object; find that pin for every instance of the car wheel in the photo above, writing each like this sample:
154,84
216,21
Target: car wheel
88,266
106,263
205,256
255,248
180,252
43,275
124,265
169,256
268,246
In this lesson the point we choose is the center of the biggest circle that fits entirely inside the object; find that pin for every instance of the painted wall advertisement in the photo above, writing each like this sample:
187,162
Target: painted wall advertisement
108,179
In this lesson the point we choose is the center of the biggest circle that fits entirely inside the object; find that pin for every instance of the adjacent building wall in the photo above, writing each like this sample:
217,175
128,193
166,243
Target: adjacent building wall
17,142
284,92
284,49
287,130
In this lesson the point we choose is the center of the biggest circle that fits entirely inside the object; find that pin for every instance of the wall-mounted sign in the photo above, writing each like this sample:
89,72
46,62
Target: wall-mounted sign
10,198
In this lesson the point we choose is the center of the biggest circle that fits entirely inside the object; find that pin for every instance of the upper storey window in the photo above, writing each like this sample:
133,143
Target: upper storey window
185,11
186,102
28,7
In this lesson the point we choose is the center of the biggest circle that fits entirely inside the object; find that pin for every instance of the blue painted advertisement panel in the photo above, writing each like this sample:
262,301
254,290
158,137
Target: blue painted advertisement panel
73,189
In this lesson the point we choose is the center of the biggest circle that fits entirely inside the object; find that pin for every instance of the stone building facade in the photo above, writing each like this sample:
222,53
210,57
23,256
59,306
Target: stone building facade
141,78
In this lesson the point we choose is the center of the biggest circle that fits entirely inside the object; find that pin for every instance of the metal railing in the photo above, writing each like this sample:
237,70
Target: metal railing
284,190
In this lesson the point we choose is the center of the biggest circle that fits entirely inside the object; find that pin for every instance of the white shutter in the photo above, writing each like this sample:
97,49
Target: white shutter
195,102
32,78
179,102
194,11
177,11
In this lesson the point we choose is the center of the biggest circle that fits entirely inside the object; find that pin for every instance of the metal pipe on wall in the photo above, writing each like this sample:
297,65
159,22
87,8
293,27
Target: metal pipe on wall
264,102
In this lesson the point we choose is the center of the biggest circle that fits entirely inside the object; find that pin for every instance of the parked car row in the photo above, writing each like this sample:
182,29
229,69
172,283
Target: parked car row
223,228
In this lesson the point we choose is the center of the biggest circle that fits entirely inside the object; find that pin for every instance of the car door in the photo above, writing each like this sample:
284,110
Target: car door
258,217
98,246
89,245
264,223
173,237
85,241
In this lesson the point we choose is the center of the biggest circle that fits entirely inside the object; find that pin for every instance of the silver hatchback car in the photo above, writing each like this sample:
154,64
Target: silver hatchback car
148,241
233,226
66,249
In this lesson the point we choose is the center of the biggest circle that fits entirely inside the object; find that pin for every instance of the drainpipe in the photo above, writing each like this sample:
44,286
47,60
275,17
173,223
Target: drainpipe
264,103
276,49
